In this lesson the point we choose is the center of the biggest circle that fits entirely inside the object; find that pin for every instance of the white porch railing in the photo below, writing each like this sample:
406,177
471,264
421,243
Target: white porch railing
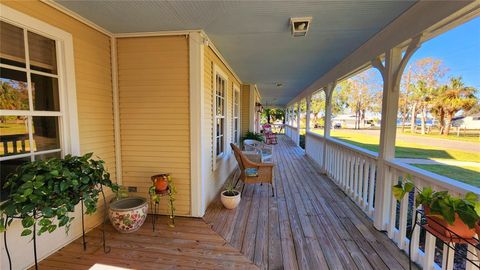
292,133
355,171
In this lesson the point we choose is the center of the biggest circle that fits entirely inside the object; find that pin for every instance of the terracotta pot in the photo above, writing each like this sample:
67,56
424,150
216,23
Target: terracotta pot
229,201
477,229
439,224
160,181
128,215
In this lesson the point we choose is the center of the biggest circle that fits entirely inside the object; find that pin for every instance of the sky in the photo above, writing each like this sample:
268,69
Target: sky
459,49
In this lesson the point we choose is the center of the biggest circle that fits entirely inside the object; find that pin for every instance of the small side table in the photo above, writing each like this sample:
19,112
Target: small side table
155,202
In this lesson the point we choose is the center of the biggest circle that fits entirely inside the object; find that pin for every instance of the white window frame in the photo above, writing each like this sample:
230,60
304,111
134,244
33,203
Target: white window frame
68,117
219,72
236,106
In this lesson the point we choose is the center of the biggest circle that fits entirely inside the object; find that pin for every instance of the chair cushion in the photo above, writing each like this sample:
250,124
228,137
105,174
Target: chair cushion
251,172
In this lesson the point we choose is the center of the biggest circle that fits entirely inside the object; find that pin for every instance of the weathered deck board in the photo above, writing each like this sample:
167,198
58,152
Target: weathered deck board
191,244
310,224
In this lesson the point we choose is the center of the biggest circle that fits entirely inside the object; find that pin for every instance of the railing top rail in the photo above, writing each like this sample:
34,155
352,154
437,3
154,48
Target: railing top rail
316,135
354,148
292,127
437,180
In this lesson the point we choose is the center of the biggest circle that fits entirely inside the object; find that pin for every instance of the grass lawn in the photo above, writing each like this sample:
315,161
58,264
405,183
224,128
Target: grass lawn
405,149
469,175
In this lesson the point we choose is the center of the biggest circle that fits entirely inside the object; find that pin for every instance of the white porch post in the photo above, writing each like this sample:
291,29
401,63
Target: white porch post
297,139
307,113
327,125
391,73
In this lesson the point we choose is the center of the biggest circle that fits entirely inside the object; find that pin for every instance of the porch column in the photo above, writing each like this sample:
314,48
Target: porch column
307,113
391,73
327,125
297,139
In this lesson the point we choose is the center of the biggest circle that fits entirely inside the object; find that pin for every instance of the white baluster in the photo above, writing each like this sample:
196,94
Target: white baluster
447,257
428,260
371,188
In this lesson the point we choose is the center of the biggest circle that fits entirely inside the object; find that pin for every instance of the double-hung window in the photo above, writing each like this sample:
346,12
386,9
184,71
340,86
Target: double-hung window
32,112
236,116
220,93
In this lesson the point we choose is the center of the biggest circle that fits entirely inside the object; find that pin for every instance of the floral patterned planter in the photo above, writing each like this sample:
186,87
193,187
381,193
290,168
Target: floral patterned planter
128,215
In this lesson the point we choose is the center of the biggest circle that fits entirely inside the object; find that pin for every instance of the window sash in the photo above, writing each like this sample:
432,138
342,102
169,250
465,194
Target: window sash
30,113
219,112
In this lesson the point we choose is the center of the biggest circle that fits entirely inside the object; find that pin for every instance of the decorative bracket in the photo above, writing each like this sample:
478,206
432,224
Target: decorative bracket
397,71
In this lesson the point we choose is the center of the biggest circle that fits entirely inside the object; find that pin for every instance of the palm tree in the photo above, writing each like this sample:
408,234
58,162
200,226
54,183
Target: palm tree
456,97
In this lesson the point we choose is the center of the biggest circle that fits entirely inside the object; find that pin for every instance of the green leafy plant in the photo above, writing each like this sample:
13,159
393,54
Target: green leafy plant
250,135
171,192
230,190
441,203
45,192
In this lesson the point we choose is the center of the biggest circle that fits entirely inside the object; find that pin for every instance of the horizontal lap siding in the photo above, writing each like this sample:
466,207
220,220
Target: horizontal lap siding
95,113
213,183
153,75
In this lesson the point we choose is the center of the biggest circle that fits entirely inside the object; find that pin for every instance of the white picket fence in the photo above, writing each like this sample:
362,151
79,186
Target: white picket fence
355,171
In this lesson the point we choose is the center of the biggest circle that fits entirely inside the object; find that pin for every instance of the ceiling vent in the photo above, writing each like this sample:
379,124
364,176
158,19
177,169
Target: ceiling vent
300,26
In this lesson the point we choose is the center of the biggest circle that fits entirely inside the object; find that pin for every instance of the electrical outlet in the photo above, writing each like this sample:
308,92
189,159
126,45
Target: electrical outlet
132,189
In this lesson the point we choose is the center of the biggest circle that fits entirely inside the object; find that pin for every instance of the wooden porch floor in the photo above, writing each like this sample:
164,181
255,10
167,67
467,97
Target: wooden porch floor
310,224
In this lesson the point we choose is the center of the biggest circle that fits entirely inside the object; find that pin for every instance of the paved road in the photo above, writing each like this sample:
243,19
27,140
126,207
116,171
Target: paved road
435,142
439,162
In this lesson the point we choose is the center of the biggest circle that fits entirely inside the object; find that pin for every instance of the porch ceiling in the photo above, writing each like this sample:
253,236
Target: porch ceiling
254,37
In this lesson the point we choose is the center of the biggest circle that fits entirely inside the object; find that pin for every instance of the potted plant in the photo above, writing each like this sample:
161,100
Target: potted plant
160,181
250,135
170,191
230,197
128,214
444,213
45,192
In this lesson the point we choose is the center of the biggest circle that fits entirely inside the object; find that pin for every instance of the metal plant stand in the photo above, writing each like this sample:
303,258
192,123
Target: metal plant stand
106,249
154,205
450,239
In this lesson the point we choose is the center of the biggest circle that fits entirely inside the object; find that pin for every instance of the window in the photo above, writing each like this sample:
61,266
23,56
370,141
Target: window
32,117
236,116
220,92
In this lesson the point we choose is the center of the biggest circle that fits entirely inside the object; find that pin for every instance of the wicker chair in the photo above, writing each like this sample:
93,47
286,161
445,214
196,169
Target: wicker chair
251,172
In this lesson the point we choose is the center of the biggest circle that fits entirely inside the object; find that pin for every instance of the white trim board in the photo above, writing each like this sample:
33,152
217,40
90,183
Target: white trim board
197,94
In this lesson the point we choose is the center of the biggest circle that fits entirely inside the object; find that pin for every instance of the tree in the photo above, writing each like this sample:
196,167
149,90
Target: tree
426,73
456,97
273,115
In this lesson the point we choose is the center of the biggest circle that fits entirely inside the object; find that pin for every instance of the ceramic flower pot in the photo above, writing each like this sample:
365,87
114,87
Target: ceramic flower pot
230,201
160,181
128,215
439,224
477,229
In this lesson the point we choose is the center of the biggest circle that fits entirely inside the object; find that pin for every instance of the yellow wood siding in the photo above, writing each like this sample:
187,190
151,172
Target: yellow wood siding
245,109
215,180
95,113
153,79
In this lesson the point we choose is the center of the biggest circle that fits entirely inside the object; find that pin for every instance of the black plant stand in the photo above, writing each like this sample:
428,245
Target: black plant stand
106,249
155,204
451,241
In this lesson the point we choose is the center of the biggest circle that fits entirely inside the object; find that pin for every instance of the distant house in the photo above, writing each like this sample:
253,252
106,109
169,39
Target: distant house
467,122
348,121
